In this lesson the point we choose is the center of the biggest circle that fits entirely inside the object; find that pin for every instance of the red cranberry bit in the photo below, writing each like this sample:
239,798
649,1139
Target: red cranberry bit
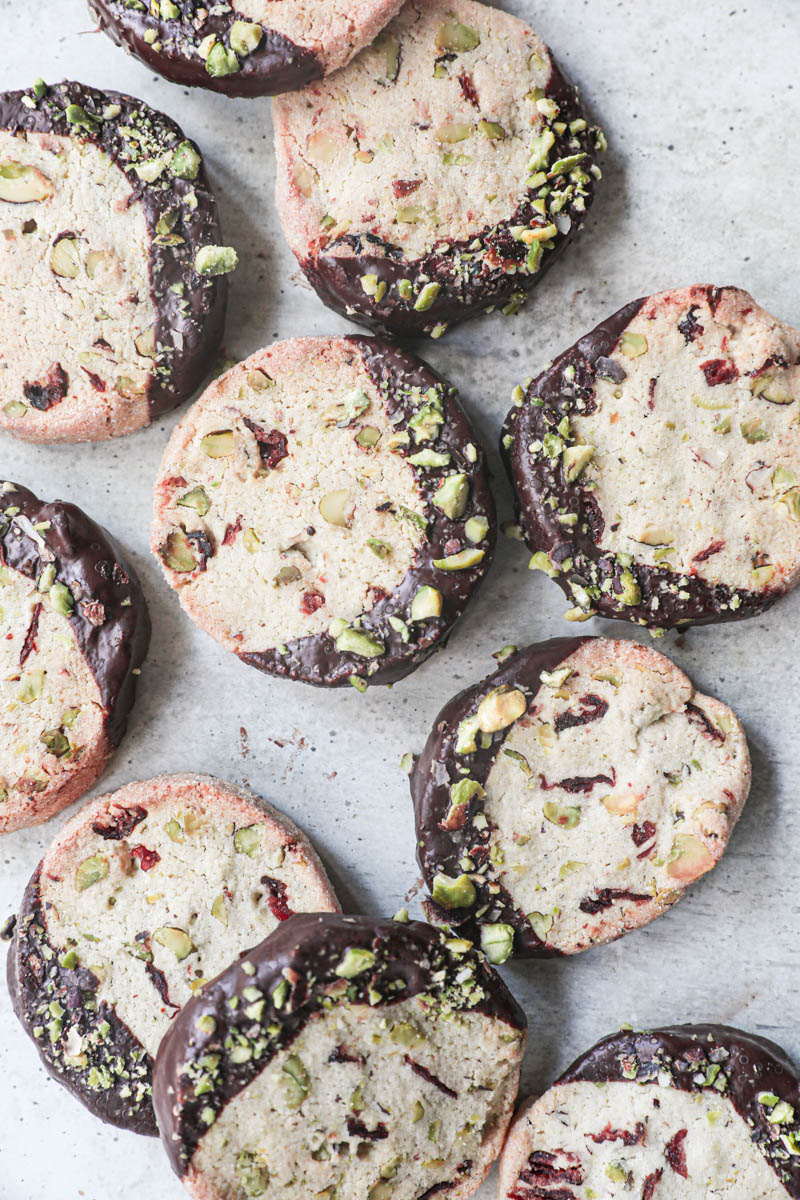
120,824
405,187
719,370
147,858
675,1153
311,602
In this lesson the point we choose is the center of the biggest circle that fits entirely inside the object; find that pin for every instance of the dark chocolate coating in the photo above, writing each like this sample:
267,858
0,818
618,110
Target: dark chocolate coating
337,279
305,949
109,619
188,325
542,490
316,659
441,850
751,1065
114,1083
276,65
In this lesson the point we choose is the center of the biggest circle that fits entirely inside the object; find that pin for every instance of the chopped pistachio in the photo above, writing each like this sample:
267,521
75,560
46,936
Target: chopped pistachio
453,893
497,942
356,960
462,561
427,603
215,260
90,871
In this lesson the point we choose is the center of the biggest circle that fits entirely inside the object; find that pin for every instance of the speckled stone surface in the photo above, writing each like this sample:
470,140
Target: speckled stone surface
697,101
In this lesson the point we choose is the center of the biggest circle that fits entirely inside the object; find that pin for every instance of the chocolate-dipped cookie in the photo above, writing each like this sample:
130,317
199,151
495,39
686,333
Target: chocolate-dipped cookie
345,1056
574,795
440,174
691,1111
112,299
251,48
323,511
657,461
75,632
143,896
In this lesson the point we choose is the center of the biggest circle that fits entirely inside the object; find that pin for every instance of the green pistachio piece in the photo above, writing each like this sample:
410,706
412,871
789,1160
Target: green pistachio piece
185,161
55,742
61,599
248,839
405,289
252,1174
454,893
491,129
452,132
497,942
65,259
452,496
221,61
177,552
461,561
30,687
336,508
771,389
631,592
245,37
368,436
633,345
500,708
76,115
387,47
426,422
566,816
540,150
295,1081
389,1169
425,299
196,499
90,871
15,409
356,960
218,444
542,562
783,479
174,939
427,603
354,641
476,529
575,459
23,184
379,548
541,924
753,431
429,458
466,734
456,38
219,909
215,260
405,1033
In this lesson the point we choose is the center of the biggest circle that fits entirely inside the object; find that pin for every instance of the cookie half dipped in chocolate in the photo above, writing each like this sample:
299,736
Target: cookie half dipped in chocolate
323,511
75,633
574,795
146,894
112,289
691,1111
251,48
657,462
440,174
344,1056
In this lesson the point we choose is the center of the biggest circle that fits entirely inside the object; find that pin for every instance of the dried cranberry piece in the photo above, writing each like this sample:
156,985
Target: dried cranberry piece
404,187
277,901
592,709
29,645
44,395
606,897
468,89
120,824
719,370
147,858
690,327
643,833
712,548
272,444
675,1153
699,718
311,602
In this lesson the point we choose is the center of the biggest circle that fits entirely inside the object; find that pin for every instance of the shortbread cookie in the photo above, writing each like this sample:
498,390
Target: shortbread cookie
574,795
143,896
657,461
344,1056
441,173
323,511
688,1112
111,296
250,48
75,632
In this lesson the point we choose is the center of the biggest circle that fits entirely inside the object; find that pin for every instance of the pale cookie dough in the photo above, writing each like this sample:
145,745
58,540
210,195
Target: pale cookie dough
345,1056
75,632
145,895
686,1113
574,795
657,462
441,173
323,511
250,48
112,289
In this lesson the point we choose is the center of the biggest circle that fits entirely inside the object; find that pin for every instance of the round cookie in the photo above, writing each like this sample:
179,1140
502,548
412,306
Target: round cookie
345,1056
111,297
657,461
145,894
323,511
252,48
440,174
573,796
690,1111
75,632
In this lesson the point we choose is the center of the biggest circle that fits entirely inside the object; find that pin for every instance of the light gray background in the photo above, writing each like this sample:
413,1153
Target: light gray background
701,111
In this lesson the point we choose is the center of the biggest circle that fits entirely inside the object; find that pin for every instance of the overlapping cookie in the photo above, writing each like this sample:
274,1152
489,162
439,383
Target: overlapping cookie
145,895
691,1111
323,511
657,462
251,48
574,795
112,296
75,633
438,175
344,1056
